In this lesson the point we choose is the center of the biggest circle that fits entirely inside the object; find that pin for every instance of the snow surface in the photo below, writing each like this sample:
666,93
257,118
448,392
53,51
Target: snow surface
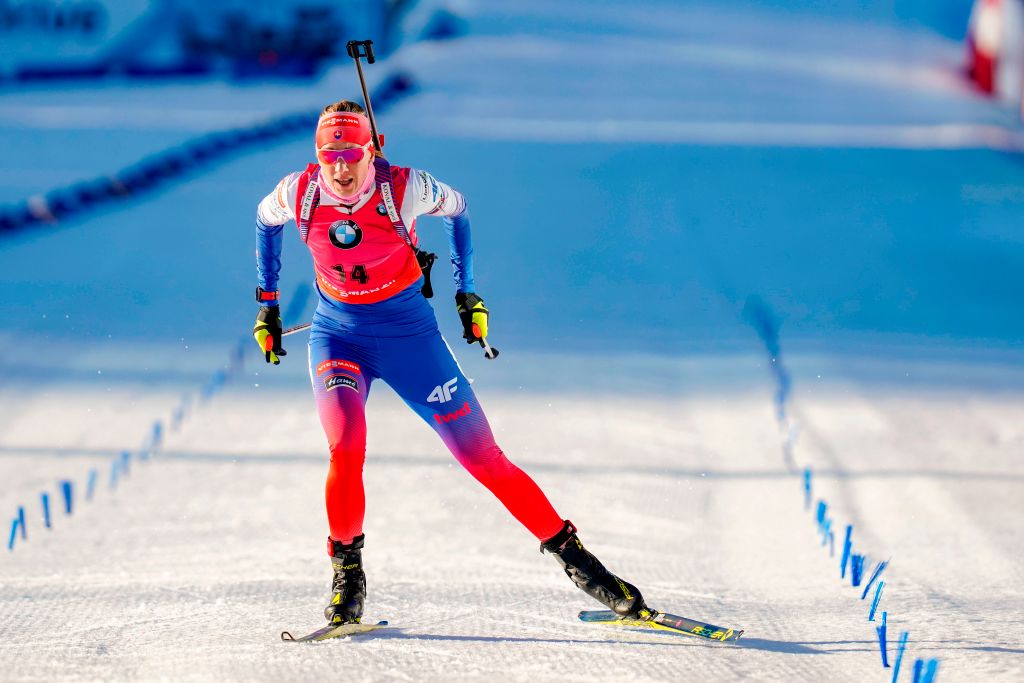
628,208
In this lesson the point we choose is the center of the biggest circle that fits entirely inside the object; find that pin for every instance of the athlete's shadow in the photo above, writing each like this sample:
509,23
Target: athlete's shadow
659,639
780,646
832,646
392,633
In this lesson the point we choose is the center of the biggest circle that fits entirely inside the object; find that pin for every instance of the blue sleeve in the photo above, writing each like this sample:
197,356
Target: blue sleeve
460,245
268,254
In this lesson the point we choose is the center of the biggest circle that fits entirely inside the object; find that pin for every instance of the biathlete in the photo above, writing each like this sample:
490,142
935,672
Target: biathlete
357,214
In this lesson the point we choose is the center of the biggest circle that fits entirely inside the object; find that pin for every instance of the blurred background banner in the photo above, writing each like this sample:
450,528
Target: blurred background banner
45,32
46,40
87,39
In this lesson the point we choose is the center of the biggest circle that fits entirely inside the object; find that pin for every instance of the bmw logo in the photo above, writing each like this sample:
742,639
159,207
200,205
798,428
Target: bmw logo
382,210
345,234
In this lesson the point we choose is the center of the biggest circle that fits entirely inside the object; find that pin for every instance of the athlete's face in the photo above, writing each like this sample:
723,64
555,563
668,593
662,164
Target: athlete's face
345,177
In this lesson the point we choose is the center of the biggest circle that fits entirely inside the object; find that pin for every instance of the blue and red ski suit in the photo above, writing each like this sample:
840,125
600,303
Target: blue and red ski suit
372,322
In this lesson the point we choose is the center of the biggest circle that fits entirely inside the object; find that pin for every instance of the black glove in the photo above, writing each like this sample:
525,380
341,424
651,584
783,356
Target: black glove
473,315
267,332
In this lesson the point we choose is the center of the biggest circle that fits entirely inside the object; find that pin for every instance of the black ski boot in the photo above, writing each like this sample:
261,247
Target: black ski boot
587,572
349,585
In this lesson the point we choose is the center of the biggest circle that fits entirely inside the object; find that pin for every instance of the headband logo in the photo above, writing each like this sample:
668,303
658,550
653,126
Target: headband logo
349,120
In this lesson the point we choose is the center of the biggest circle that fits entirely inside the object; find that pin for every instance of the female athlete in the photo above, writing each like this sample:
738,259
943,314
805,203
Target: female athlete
357,214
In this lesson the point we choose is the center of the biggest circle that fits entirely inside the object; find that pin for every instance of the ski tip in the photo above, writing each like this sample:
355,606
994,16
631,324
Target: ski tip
287,637
598,615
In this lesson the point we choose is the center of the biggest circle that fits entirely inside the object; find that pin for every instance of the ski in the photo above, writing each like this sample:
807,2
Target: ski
662,621
329,631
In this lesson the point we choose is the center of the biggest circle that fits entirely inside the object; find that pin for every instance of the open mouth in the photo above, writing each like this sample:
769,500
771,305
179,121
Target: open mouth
346,184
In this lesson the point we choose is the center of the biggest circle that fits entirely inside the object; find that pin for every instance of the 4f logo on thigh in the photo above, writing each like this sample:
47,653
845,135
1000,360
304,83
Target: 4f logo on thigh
442,393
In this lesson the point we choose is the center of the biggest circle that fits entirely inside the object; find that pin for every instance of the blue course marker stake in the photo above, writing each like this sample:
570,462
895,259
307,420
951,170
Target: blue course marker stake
822,508
874,602
14,534
126,462
68,494
879,568
90,484
826,530
158,432
44,498
238,358
918,670
881,641
21,523
899,655
847,546
931,668
856,569
831,544
807,488
115,466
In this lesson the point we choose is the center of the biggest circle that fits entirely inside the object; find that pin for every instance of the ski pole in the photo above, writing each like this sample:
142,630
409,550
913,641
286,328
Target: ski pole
294,329
357,49
490,352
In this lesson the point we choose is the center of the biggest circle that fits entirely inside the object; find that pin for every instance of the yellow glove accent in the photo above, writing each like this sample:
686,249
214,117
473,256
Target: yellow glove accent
479,319
266,342
473,315
267,332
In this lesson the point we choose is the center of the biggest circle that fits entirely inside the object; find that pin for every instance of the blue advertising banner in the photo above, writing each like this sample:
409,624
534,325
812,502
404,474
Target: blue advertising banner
50,39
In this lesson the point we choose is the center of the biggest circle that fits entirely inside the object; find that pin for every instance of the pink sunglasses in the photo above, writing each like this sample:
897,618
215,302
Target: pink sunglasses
350,155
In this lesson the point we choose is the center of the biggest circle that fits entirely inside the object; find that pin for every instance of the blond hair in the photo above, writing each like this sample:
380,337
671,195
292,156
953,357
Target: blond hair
343,106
